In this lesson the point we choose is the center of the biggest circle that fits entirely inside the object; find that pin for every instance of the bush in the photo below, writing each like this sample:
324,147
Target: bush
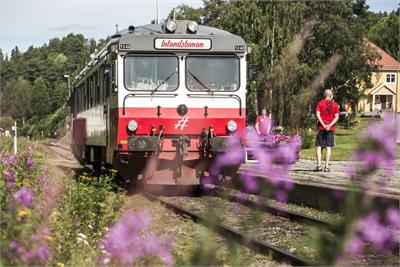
308,137
89,206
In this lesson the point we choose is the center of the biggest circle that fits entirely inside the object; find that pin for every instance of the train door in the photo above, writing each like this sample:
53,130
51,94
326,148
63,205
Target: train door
111,107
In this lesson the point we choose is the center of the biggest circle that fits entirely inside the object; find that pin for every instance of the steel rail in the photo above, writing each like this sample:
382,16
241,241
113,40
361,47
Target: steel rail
271,209
251,242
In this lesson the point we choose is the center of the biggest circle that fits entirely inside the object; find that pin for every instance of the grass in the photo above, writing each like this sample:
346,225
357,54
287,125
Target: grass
346,141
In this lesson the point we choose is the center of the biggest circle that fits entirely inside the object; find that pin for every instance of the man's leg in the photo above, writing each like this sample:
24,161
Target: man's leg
319,155
328,156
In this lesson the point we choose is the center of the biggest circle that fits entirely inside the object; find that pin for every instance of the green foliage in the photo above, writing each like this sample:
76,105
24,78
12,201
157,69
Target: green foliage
19,222
44,67
290,82
40,101
307,138
385,33
16,98
89,206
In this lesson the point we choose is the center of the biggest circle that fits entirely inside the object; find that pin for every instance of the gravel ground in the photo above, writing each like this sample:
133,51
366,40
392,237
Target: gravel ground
278,231
281,232
193,243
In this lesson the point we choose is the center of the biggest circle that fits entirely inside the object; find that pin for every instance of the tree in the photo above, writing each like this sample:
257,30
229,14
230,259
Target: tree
40,100
386,33
15,100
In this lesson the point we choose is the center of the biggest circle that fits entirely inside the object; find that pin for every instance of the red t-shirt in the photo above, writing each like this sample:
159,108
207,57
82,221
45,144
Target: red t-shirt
328,109
264,122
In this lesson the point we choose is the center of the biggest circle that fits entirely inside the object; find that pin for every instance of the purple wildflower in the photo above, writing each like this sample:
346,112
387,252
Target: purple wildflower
10,176
42,253
42,179
29,162
393,217
10,185
250,182
381,236
9,160
378,147
29,150
281,196
42,168
355,245
128,240
16,247
24,196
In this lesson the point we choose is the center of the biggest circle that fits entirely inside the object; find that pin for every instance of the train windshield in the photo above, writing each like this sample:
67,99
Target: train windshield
158,73
210,73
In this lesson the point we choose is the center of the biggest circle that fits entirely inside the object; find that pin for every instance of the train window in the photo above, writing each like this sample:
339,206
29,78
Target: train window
158,72
91,92
212,73
97,86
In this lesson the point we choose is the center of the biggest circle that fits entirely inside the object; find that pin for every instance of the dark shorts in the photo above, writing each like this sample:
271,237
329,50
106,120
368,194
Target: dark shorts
325,139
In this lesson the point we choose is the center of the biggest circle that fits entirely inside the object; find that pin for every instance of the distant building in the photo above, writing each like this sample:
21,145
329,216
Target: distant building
382,95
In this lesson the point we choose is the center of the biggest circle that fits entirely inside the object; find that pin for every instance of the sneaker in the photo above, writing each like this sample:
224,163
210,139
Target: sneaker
327,169
318,168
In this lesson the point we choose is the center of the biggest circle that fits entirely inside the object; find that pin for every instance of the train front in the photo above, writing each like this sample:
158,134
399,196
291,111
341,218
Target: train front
181,100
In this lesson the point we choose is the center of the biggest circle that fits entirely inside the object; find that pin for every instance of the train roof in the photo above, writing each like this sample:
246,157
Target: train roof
151,29
153,38
157,37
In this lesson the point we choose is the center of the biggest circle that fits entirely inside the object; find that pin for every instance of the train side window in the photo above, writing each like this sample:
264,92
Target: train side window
101,83
107,79
98,91
90,91
87,97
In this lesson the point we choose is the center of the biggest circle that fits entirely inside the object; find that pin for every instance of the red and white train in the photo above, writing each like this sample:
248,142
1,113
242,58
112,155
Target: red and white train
160,101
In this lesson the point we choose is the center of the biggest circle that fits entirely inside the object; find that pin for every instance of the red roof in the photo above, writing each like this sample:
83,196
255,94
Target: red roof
386,62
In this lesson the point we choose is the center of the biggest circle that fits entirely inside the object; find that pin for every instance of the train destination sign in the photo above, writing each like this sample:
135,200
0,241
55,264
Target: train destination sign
198,44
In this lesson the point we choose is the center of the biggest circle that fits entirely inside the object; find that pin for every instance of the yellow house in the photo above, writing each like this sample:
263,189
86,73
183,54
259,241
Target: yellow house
386,84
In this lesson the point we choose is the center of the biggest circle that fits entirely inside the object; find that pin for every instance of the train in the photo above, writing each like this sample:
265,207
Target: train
160,102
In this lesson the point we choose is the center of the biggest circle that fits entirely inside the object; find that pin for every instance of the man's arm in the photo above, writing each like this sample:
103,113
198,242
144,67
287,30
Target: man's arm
333,122
320,119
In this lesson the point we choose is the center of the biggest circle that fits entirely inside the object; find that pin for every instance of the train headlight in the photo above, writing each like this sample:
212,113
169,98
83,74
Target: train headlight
232,126
132,125
193,26
171,25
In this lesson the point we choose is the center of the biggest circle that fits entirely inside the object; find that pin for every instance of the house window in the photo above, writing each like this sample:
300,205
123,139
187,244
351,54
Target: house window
391,78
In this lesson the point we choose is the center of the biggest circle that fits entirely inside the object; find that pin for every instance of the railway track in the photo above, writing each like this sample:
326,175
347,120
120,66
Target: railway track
296,216
322,196
251,242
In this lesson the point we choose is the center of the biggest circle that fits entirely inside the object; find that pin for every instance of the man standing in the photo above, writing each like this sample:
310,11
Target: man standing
327,114
263,123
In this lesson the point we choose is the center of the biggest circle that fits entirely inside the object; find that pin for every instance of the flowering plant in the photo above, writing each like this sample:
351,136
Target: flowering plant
24,241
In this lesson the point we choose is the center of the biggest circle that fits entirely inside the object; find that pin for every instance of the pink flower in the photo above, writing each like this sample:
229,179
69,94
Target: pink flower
24,196
129,240
355,245
393,217
10,176
42,179
42,253
43,168
29,162
10,185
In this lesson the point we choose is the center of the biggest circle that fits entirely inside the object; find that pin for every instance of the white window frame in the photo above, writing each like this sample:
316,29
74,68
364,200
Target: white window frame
389,77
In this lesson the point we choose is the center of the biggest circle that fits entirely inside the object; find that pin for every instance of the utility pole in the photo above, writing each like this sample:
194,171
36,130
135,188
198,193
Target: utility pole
14,128
69,85
157,12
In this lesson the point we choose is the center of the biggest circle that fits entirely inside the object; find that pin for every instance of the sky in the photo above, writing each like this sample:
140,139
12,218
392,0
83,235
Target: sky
35,22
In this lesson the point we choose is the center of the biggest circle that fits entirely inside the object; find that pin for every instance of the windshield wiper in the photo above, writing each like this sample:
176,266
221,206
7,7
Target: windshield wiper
197,80
164,81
